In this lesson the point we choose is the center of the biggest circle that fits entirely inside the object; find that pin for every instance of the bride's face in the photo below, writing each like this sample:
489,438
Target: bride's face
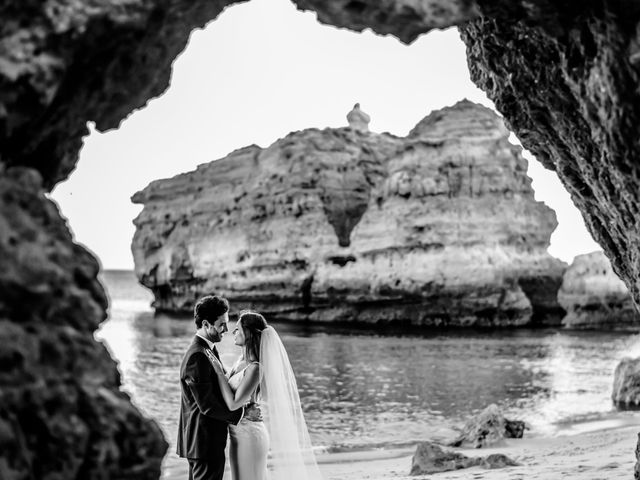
238,334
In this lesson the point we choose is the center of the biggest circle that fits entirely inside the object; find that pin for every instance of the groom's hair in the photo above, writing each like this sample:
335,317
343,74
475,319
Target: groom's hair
209,308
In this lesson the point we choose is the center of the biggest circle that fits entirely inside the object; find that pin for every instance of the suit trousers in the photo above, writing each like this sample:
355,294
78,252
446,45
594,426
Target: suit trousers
207,468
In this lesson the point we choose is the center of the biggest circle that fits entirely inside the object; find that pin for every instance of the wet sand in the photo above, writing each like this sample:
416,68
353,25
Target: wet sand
607,453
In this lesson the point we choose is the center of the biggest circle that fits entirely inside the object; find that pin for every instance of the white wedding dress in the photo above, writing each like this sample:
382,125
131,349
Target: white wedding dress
249,441
283,434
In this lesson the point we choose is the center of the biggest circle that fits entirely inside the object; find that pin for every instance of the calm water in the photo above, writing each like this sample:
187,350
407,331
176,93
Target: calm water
362,389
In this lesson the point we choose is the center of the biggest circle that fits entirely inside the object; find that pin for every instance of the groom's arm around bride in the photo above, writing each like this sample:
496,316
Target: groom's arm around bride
204,416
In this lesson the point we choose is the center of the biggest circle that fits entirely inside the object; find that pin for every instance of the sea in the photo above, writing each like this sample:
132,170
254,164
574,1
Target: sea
378,388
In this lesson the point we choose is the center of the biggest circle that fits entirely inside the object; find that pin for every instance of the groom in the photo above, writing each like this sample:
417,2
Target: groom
204,417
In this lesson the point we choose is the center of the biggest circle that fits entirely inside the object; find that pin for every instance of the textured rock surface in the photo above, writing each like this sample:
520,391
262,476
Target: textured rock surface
405,19
626,384
636,468
595,297
565,76
439,228
431,458
61,412
488,428
66,62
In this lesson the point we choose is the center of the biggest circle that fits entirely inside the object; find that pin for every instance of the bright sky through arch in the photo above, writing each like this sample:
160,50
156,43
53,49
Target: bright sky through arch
260,71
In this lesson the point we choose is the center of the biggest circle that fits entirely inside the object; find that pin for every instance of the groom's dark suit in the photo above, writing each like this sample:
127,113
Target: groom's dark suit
204,416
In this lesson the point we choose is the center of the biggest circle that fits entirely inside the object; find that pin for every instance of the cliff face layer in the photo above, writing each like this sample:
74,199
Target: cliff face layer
438,228
594,296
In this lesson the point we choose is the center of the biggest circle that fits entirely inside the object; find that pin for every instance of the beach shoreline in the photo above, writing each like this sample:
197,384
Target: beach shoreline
602,450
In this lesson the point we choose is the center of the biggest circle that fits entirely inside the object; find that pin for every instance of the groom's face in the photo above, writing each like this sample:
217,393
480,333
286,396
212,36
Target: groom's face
216,330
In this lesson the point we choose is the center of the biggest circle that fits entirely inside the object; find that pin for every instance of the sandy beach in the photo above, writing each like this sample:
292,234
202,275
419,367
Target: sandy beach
606,453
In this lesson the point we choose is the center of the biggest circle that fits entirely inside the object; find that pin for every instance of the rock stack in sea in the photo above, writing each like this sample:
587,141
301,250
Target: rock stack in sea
438,228
595,297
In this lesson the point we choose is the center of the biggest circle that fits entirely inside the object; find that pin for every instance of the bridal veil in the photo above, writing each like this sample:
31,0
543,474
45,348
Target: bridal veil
291,452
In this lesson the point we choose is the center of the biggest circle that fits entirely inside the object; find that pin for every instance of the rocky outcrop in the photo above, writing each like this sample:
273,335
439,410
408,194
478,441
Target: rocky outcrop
594,296
636,468
62,414
438,228
488,428
626,384
567,84
431,458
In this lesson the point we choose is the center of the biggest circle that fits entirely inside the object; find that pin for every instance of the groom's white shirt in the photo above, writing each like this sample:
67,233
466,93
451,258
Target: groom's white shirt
209,342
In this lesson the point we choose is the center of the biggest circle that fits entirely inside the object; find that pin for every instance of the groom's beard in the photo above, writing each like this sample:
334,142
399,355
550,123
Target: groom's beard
213,335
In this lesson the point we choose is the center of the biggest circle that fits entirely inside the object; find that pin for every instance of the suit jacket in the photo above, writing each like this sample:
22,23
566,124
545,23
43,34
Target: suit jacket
204,416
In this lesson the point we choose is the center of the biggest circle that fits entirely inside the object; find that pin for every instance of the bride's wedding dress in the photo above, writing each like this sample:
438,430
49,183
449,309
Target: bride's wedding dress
249,441
284,431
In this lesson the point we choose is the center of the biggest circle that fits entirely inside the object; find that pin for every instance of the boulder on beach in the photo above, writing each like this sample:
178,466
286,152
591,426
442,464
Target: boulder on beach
626,384
431,458
636,468
488,428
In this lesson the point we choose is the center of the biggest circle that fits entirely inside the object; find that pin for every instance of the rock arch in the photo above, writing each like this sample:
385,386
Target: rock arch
565,77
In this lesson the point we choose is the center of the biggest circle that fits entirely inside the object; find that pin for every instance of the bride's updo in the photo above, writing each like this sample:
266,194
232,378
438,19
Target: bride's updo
252,326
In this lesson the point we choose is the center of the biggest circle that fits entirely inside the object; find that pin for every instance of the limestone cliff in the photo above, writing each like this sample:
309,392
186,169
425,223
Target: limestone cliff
595,297
437,228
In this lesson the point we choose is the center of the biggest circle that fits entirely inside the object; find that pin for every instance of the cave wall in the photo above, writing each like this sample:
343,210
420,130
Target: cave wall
64,63
565,77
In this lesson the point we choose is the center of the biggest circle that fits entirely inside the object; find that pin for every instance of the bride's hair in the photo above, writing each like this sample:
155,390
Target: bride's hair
252,326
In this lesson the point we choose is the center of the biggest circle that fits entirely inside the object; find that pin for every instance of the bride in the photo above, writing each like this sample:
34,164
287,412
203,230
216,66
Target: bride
263,376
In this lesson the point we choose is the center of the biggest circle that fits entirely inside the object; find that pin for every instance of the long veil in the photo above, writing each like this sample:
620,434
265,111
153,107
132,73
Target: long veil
291,452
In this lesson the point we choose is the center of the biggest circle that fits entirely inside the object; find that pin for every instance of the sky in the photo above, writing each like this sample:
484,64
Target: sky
258,72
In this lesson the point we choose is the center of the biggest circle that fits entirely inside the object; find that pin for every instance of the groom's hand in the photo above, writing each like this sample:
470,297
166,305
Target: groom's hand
253,413
217,366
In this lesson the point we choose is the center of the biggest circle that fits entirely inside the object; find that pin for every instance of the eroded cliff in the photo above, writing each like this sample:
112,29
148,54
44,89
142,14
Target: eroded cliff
438,228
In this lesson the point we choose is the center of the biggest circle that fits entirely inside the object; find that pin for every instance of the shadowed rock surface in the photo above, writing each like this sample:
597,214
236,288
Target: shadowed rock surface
488,428
626,384
438,228
565,77
431,458
595,297
61,412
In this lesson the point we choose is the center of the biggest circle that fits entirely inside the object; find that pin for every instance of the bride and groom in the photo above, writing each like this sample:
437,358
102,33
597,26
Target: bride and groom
216,403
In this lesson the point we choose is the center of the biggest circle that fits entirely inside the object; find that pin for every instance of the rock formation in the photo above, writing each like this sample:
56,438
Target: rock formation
358,120
62,414
594,296
563,74
626,384
431,458
488,428
438,228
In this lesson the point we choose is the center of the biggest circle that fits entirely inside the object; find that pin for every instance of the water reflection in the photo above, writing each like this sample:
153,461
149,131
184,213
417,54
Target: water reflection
359,388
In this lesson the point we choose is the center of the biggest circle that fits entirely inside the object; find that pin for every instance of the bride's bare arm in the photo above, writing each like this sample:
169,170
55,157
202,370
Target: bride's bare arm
250,381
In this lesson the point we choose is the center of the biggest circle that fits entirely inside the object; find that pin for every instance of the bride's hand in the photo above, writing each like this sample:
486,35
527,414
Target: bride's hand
217,366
